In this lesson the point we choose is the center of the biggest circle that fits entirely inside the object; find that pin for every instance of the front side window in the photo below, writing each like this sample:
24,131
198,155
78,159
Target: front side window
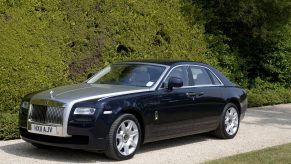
140,75
200,76
180,72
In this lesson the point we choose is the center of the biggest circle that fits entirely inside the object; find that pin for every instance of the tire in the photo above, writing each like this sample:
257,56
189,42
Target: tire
124,138
229,122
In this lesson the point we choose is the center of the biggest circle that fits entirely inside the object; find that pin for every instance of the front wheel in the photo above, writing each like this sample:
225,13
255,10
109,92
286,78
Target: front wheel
124,137
229,122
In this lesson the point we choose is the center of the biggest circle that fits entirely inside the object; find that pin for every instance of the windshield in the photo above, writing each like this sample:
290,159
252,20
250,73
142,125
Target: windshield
140,75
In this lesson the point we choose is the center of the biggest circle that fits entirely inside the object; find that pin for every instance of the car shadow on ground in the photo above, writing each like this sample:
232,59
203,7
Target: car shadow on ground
26,150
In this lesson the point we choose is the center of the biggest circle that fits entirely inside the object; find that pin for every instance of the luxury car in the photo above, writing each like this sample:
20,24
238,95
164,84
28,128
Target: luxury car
130,103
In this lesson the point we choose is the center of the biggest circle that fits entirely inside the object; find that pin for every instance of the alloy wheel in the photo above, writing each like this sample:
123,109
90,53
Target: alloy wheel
231,121
127,137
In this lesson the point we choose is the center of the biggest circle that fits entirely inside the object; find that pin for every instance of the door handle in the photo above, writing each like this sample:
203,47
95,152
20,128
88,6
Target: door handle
191,94
194,93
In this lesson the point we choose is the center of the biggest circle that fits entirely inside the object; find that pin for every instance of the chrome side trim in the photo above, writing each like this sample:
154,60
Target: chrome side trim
107,112
221,83
198,86
146,63
66,114
154,87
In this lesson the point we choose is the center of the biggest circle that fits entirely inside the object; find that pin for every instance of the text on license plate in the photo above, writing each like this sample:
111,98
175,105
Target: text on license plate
42,129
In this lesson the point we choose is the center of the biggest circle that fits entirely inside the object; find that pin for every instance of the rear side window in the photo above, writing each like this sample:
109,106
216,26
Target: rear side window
214,78
200,76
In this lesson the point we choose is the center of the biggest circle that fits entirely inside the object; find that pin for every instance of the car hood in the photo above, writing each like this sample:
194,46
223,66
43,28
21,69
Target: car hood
85,91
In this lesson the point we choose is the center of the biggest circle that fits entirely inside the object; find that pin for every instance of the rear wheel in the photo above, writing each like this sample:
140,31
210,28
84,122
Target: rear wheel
229,122
124,137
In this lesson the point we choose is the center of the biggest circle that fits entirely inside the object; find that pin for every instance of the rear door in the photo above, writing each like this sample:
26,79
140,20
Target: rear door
207,94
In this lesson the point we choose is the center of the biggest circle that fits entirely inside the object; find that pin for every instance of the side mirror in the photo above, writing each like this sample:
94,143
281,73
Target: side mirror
90,75
175,82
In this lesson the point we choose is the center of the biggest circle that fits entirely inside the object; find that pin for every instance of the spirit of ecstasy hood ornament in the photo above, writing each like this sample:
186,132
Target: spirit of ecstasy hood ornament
51,93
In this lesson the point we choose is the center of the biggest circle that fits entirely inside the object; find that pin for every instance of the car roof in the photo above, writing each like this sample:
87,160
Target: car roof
172,63
165,62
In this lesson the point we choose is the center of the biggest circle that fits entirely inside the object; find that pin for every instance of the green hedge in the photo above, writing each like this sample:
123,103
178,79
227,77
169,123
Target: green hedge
32,54
48,43
268,94
44,44
257,97
51,43
9,126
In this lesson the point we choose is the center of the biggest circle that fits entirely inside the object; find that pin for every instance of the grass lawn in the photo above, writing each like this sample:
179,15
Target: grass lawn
277,154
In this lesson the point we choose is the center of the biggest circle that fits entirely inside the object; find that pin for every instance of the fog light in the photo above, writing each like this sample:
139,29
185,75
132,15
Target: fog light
84,111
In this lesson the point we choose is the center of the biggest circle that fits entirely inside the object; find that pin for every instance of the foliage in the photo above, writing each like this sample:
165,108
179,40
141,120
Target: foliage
8,126
44,44
31,54
254,33
266,93
127,30
48,43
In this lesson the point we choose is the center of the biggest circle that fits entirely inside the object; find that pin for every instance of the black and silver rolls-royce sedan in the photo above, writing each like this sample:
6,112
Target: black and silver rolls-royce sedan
130,103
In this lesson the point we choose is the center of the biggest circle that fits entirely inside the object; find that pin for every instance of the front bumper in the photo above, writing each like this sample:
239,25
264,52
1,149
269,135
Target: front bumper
88,142
80,133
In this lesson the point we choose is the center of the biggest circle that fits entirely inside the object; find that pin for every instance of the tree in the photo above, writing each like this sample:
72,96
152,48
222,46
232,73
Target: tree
255,32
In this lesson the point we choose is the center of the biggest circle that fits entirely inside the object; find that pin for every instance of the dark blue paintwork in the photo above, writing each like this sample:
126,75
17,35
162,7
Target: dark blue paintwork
179,114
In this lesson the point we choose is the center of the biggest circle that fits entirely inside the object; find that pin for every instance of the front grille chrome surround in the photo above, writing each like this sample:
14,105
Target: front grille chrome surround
46,114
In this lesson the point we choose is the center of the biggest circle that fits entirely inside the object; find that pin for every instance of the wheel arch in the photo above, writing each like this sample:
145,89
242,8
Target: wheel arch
139,118
236,103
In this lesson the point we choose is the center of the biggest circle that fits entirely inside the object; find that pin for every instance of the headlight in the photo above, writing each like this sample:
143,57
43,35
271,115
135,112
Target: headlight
25,104
84,111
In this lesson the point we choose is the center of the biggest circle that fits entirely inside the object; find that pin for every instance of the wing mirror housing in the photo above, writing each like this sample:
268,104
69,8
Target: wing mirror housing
175,82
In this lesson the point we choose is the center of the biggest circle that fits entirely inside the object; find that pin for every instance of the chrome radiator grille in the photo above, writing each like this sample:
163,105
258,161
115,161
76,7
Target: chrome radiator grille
46,114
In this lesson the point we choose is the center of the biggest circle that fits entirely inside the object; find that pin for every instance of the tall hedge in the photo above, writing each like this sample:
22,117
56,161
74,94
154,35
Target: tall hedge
126,30
48,43
32,50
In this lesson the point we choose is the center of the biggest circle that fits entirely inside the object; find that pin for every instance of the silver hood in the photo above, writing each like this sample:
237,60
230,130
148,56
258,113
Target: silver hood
85,91
67,96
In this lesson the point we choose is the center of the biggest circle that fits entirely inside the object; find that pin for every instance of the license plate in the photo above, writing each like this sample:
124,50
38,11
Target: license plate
42,129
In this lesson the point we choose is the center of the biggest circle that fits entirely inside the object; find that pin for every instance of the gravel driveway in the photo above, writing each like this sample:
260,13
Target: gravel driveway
262,127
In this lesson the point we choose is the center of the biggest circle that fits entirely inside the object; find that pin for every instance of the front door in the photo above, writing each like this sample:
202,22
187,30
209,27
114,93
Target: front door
173,114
